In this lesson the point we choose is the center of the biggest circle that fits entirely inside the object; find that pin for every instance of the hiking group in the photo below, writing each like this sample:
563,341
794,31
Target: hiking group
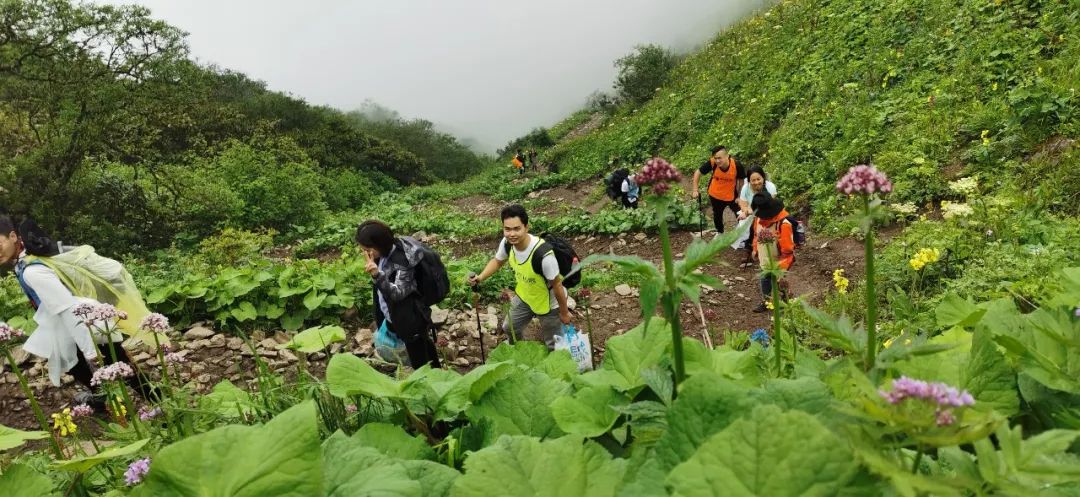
407,277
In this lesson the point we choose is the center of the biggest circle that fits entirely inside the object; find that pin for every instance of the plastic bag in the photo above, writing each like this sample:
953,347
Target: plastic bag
743,224
577,344
389,347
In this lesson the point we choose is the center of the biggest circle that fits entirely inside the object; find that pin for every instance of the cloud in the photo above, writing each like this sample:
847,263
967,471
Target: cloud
490,69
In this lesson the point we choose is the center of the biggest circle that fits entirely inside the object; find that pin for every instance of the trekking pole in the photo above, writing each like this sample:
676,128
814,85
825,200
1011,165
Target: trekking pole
701,217
476,309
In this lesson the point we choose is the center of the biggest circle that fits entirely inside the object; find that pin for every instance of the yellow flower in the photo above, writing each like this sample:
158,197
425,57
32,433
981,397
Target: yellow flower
839,281
923,257
768,305
119,406
985,135
993,86
888,343
63,424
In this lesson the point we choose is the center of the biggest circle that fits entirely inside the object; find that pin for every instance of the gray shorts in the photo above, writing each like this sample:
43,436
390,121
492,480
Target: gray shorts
521,315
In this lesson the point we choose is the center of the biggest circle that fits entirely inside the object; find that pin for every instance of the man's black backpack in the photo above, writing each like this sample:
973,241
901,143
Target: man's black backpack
613,182
431,279
564,253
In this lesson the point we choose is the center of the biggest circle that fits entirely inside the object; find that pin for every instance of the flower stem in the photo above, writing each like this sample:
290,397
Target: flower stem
33,404
918,459
871,293
776,324
671,299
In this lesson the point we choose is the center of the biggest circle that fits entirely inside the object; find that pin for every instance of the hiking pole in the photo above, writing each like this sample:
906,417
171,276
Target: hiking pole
701,217
476,309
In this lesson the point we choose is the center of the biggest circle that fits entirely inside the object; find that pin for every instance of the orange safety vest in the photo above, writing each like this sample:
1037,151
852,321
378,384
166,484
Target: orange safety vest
722,185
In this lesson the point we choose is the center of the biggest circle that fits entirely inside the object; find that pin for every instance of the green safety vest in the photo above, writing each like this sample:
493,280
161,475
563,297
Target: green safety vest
530,287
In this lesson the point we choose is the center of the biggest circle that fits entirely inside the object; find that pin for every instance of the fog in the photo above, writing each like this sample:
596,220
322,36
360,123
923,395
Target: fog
489,70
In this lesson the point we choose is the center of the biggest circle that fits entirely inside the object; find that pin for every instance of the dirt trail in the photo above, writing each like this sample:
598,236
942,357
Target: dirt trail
611,314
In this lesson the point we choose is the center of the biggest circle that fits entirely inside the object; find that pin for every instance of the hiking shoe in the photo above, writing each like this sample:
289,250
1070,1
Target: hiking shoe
761,308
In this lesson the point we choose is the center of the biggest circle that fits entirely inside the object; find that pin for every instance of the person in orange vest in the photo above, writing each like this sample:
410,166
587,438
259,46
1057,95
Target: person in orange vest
724,184
519,161
774,240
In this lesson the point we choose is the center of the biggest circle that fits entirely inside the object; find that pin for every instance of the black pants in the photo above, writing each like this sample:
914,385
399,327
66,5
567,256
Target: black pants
627,204
718,211
83,373
410,320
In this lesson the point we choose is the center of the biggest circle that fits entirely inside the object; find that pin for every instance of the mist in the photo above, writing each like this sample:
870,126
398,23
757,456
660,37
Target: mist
486,70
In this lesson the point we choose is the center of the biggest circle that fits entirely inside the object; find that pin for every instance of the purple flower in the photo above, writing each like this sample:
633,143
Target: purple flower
155,323
147,413
659,173
112,372
760,336
943,396
351,408
7,333
94,312
82,411
766,235
136,471
864,179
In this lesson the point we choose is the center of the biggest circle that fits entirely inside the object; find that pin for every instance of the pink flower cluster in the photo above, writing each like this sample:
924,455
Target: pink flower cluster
82,411
155,323
659,173
944,396
864,179
766,235
8,333
112,372
148,413
91,313
136,471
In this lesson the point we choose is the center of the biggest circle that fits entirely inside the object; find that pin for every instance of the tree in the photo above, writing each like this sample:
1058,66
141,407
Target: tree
642,72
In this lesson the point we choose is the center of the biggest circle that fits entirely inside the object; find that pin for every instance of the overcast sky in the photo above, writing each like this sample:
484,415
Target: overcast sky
487,69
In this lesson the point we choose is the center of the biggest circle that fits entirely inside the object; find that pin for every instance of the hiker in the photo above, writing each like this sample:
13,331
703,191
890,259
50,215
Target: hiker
724,184
532,158
630,192
756,182
535,295
61,338
769,215
519,161
393,263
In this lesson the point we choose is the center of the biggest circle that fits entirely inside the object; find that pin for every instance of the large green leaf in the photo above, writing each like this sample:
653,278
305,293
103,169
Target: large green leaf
280,458
314,299
11,438
245,311
227,400
1028,467
770,453
520,404
351,469
527,467
84,464
392,441
742,366
637,350
23,481
806,394
707,403
524,352
955,311
591,412
988,376
313,340
431,387
348,375
469,388
435,479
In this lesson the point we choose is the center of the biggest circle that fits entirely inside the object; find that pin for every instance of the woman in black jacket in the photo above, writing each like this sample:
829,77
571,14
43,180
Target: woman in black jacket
392,263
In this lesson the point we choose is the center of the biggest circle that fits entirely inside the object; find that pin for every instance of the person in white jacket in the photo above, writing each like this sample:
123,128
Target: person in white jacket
61,337
757,182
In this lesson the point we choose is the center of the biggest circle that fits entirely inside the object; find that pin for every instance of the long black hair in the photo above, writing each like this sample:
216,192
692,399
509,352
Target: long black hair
36,240
377,235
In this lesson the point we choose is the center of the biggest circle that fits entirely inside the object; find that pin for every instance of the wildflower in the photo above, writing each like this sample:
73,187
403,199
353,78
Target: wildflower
760,336
659,173
119,408
904,209
950,210
710,314
63,424
155,323
923,257
97,312
766,235
442,342
111,372
888,343
136,471
965,186
864,179
7,333
985,135
82,411
147,413
839,281
943,397
584,293
769,305
351,408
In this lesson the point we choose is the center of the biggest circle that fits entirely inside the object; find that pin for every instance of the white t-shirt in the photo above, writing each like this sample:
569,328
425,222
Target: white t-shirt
626,186
748,195
549,264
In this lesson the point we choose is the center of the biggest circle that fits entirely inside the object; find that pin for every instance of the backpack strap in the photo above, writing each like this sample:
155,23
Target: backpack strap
31,295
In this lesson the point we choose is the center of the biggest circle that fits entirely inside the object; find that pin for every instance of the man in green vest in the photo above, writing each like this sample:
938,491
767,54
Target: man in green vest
535,295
